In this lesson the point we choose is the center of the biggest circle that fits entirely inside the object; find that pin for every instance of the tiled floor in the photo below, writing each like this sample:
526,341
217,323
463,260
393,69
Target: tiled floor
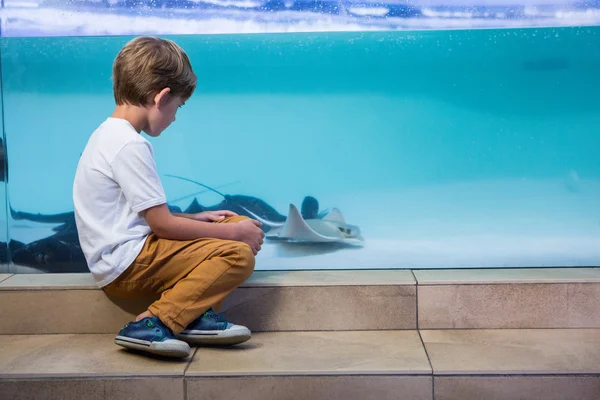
514,351
315,365
318,353
77,356
347,334
283,353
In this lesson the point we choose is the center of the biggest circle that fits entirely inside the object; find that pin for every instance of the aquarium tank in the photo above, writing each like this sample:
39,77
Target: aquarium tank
363,134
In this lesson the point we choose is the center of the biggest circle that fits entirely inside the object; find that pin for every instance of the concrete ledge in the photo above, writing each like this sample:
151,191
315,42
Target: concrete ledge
330,300
64,311
495,306
508,298
269,301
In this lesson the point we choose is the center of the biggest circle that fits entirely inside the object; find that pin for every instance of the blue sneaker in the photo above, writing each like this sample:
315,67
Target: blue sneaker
212,328
151,335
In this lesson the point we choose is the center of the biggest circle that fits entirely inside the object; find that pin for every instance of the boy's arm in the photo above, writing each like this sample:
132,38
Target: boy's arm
183,215
168,226
207,216
183,227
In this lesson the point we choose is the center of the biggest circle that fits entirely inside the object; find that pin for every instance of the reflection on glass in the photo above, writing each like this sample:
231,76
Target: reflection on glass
123,17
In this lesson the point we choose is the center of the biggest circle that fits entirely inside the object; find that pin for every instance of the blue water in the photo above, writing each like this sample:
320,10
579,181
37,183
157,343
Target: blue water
475,148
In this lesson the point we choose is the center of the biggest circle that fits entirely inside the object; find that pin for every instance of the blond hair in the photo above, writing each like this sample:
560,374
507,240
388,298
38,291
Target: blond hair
146,65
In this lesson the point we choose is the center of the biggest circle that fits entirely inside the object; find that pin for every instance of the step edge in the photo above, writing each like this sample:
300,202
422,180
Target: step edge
46,282
490,276
17,282
516,372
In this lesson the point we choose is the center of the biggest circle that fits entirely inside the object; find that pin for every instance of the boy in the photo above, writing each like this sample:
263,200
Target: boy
133,245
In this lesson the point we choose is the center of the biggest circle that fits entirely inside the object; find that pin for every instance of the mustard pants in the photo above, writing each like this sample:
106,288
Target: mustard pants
191,276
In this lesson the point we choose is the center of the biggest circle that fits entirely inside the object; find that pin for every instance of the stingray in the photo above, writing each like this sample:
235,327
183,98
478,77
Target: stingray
60,252
331,228
308,226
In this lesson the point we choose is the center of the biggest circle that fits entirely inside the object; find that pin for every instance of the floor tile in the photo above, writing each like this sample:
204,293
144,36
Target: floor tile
512,351
311,388
46,356
316,353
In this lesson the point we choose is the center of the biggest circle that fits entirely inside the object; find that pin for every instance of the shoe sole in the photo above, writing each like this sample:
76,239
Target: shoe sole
168,348
234,335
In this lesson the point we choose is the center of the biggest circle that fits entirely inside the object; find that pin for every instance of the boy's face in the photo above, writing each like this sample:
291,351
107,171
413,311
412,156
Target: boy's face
162,113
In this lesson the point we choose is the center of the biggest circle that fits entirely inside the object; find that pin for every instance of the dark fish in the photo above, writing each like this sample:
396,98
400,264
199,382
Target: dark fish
249,206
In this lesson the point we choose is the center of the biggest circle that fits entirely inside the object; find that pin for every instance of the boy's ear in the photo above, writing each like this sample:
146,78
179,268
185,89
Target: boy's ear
162,97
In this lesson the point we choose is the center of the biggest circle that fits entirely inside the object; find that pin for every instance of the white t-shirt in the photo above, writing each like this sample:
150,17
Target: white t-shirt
116,178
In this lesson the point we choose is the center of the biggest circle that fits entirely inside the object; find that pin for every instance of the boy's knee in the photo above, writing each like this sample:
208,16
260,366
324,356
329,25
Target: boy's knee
246,259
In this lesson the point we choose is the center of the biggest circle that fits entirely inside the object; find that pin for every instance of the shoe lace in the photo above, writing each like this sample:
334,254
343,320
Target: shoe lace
213,315
150,324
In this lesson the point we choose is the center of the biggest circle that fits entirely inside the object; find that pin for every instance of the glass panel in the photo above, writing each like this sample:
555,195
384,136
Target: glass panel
4,256
473,148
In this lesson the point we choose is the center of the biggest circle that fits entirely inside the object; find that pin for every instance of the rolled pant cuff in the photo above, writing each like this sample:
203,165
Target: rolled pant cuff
165,319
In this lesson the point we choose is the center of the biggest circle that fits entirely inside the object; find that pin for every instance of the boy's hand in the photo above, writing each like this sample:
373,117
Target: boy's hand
213,216
248,231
